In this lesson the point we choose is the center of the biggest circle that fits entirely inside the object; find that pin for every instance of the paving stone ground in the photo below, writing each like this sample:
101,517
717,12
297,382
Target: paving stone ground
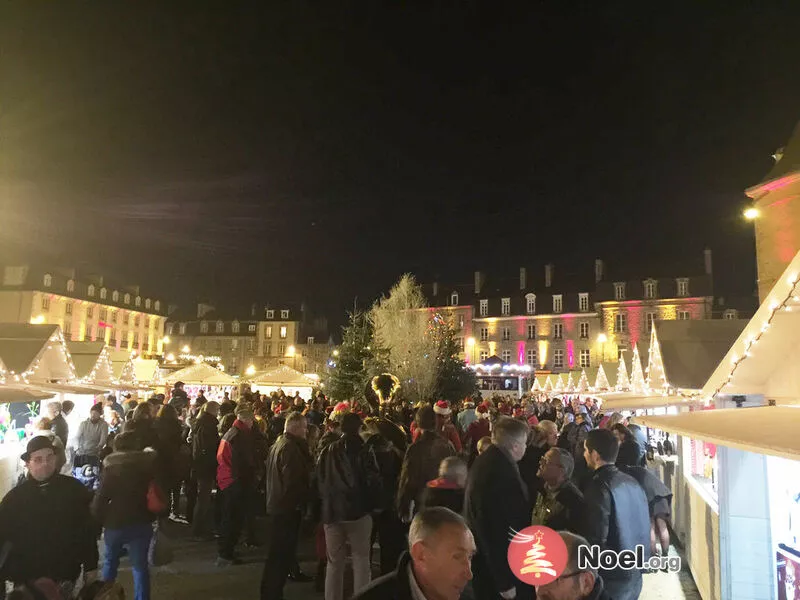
192,575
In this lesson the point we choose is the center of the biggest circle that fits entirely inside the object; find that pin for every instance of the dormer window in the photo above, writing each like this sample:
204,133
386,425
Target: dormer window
454,299
484,308
103,293
48,280
583,302
70,285
619,290
683,287
220,327
115,296
270,313
530,303
650,287
235,327
558,303
203,326
505,307
158,305
147,303
284,314
127,299
90,291
138,301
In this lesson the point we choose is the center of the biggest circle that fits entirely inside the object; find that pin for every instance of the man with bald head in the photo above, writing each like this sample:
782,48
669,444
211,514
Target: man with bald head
574,583
437,565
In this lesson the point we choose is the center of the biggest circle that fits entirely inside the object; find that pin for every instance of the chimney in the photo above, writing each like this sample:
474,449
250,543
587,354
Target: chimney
435,289
203,310
478,281
523,278
599,270
548,275
707,260
252,310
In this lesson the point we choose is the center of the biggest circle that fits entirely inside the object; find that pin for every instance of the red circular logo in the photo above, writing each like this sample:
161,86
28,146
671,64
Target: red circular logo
537,555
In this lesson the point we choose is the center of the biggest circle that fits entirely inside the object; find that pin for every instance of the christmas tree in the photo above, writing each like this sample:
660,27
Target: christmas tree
623,383
656,376
583,382
359,359
601,383
570,385
638,384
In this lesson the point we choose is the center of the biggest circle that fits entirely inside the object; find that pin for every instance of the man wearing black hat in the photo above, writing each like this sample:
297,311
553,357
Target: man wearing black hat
46,523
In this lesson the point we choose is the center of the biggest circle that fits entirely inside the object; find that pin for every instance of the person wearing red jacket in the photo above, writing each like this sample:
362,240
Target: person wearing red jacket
478,429
444,427
236,478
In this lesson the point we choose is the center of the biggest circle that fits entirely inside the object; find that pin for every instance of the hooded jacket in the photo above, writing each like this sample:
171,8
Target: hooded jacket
122,498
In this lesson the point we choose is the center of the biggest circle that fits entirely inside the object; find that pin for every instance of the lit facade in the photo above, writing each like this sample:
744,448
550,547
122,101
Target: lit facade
86,307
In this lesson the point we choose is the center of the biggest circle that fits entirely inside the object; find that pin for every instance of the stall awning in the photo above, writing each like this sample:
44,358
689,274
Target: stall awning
201,374
764,430
10,394
764,357
282,376
627,401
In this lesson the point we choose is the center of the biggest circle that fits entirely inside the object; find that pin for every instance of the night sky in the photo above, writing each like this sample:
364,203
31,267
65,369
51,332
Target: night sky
317,153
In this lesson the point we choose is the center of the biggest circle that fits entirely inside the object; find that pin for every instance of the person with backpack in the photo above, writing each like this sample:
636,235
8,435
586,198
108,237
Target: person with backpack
205,442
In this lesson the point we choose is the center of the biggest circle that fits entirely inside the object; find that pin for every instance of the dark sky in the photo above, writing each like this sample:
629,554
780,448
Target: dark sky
318,152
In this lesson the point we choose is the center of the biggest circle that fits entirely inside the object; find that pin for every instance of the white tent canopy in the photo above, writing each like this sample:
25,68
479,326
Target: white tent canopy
146,371
765,429
35,353
92,361
201,374
285,378
764,357
122,363
618,401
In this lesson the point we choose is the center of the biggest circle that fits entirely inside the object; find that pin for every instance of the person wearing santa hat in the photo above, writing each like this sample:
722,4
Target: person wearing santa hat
444,425
478,429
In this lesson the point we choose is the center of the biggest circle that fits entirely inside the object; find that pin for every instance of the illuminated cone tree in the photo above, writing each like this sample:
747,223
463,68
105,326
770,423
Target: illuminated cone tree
638,384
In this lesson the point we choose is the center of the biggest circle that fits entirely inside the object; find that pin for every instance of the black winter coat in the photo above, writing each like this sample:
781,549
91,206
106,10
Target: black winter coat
439,493
528,467
288,476
50,530
60,427
392,586
205,443
146,436
390,463
122,498
616,514
349,480
496,502
420,466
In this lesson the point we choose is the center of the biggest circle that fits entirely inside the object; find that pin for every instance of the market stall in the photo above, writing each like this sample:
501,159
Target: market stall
124,368
202,376
283,378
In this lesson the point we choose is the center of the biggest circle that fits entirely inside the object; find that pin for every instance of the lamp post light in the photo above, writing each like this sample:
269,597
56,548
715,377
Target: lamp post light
751,213
602,339
292,351
250,371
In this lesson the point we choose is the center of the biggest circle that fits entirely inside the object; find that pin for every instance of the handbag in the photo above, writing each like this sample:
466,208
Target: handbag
156,501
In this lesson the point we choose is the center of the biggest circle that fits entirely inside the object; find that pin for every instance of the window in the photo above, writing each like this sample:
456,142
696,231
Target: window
484,355
89,312
251,328
115,296
157,306
104,314
651,319
220,327
235,327
558,358
127,299
506,334
731,314
282,332
506,356
136,340
267,348
505,307
170,328
584,330
68,308
620,323
558,331
48,280
683,287
125,318
484,308
268,331
68,329
182,328
558,303
530,304
203,326
137,320
70,285
103,293
310,340
90,291
619,291
281,349
138,301
270,314
454,299
147,303
650,288
585,360
461,321
683,315
533,357
251,345
460,342
45,303
284,314
583,302
484,334
531,332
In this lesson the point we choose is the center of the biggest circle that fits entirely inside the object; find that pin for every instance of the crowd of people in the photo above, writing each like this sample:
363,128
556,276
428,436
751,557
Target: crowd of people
438,486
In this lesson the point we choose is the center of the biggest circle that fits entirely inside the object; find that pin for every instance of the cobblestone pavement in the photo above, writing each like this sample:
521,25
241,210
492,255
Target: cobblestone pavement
192,575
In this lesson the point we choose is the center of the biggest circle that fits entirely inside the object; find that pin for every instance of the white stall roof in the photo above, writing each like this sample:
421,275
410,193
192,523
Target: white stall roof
201,374
764,429
282,376
616,401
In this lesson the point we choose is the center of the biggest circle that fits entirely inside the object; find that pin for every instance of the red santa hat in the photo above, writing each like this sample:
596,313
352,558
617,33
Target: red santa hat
482,410
533,421
442,408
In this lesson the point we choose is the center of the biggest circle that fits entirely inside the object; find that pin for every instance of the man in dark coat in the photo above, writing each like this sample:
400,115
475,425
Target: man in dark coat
560,503
205,443
58,424
288,479
179,399
421,463
437,564
46,522
448,489
496,506
617,516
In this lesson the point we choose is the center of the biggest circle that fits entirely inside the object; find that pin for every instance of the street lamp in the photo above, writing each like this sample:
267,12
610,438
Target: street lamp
250,371
602,339
752,213
186,349
292,351
166,339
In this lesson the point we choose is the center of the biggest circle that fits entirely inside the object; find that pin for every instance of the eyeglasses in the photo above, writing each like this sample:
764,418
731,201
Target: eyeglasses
565,577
